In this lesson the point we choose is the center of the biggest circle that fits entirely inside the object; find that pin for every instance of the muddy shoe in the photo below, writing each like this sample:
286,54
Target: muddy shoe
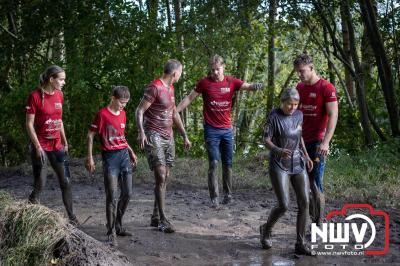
265,237
166,227
123,232
154,221
215,203
302,249
112,240
33,200
227,199
74,221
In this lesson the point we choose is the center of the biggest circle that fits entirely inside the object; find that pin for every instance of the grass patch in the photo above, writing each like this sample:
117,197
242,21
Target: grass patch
28,233
369,175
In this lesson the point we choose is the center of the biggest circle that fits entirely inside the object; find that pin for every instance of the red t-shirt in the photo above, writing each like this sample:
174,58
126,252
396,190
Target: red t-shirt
48,118
217,100
312,103
158,117
111,129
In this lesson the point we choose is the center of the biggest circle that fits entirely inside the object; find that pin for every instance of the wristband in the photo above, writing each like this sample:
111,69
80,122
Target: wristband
257,86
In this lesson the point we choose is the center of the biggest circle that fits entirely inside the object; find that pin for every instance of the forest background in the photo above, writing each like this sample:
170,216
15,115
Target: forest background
355,45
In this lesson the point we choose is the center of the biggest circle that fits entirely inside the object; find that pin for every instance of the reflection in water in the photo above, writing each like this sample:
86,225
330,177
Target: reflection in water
281,262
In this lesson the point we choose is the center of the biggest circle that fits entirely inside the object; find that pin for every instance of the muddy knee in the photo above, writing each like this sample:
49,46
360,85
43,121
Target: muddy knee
212,166
282,208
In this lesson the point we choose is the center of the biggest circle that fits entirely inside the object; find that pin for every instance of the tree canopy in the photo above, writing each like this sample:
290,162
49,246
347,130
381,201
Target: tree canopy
354,44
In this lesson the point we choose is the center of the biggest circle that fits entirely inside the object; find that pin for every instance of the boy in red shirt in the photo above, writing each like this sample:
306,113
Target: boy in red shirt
46,132
118,160
319,105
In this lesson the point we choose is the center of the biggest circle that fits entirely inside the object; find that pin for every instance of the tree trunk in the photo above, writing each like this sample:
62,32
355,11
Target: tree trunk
347,56
271,53
168,10
181,48
360,89
366,64
384,68
328,57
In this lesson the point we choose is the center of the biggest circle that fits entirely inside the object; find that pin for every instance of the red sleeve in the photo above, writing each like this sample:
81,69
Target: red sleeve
95,126
199,87
329,93
31,105
237,83
150,93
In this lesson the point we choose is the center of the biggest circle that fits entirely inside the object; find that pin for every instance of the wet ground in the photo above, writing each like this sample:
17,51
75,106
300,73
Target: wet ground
204,236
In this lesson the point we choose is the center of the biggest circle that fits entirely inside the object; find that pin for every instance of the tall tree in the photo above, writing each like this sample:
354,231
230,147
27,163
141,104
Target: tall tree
384,67
271,53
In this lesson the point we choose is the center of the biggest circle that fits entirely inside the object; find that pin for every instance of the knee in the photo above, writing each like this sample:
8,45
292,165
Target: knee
161,178
303,204
283,207
127,196
65,184
213,165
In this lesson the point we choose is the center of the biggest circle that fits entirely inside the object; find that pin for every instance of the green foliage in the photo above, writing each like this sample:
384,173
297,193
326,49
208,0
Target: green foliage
105,43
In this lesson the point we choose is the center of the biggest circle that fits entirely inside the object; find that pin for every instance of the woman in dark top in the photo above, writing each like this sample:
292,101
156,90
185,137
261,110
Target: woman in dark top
288,160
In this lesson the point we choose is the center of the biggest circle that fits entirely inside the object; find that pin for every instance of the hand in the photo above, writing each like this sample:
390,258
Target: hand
309,163
142,140
41,154
284,153
187,144
133,158
66,150
89,164
323,149
258,86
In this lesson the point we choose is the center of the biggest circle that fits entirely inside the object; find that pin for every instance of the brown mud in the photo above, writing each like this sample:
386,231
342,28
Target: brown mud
228,235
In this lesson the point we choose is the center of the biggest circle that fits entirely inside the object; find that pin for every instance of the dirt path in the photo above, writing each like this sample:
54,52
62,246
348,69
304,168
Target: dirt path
205,236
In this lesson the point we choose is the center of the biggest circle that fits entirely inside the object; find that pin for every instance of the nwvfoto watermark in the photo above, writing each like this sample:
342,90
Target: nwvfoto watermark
353,230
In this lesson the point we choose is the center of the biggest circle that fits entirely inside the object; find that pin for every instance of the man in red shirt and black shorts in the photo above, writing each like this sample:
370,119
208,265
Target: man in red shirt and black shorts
118,160
155,116
217,91
319,105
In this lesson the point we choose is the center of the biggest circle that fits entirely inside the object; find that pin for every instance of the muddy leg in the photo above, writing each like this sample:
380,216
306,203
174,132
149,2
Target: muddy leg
227,183
301,186
39,176
60,165
125,183
213,180
160,176
280,184
110,185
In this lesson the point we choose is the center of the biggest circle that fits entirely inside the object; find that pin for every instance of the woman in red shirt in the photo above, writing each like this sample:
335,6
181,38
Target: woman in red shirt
46,131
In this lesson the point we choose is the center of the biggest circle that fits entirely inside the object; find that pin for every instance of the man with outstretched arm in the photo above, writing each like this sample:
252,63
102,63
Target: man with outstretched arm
155,116
217,91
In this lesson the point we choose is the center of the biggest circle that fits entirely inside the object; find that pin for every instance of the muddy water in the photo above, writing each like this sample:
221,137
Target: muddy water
204,236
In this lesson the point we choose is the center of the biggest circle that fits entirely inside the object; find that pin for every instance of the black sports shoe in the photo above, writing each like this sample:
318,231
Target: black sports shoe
154,221
166,227
215,202
123,232
227,199
74,221
112,240
302,249
265,237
